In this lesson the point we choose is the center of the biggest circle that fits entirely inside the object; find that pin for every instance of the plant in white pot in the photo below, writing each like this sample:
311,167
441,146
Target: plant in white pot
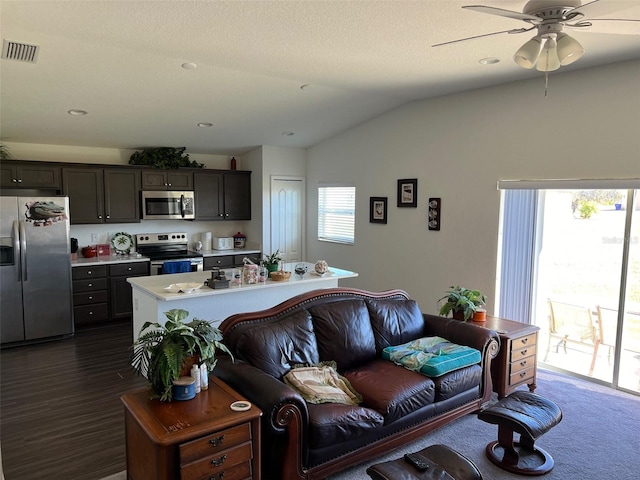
462,302
166,352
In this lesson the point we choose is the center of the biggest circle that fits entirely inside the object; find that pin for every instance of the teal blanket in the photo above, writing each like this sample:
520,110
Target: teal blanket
433,356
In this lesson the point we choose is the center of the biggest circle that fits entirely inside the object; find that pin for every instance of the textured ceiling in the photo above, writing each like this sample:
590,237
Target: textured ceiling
121,62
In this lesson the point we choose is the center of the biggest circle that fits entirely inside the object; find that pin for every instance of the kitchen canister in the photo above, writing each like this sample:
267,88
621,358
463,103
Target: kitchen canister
239,240
184,388
206,240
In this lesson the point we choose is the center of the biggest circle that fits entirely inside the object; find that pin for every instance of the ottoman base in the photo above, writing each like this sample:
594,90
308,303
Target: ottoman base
525,462
445,464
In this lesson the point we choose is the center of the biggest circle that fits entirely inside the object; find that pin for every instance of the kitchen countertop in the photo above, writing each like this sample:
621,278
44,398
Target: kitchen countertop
234,251
155,285
107,260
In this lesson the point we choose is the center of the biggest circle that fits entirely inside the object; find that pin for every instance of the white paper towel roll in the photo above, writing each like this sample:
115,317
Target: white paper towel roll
206,242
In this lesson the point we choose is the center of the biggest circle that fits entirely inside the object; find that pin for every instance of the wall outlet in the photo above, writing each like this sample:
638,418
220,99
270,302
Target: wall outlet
94,238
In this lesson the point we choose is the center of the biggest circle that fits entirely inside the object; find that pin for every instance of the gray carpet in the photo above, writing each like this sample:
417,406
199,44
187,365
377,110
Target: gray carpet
598,438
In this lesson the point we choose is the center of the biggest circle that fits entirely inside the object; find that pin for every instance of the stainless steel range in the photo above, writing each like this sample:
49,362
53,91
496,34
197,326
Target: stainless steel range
169,252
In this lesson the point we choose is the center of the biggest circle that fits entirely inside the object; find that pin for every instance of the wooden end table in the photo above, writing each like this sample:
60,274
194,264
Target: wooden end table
516,363
195,439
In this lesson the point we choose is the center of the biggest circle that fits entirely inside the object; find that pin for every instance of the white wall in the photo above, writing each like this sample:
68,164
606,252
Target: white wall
458,147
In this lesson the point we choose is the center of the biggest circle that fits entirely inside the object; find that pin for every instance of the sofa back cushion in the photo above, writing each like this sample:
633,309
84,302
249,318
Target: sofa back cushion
343,332
395,322
277,346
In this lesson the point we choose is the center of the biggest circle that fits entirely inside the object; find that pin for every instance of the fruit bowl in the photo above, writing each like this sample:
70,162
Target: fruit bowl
280,276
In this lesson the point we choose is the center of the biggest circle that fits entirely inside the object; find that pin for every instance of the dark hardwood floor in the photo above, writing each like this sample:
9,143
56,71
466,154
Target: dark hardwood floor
60,410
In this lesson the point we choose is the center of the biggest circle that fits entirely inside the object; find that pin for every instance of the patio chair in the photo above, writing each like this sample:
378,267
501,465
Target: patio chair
606,331
571,323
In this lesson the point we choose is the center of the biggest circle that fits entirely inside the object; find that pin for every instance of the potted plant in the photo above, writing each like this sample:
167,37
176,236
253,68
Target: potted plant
462,302
168,351
164,158
272,261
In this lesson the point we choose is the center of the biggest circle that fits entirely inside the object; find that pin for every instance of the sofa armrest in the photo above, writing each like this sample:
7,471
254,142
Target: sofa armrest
272,396
462,333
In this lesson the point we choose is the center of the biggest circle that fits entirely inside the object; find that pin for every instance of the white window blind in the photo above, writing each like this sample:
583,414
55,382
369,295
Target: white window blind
336,213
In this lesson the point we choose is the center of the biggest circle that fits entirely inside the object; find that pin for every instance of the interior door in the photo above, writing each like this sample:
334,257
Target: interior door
287,207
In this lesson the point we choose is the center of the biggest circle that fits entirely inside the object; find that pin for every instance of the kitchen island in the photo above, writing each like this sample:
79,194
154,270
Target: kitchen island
151,297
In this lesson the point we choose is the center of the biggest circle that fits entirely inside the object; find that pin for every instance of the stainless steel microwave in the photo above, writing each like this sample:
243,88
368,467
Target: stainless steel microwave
163,205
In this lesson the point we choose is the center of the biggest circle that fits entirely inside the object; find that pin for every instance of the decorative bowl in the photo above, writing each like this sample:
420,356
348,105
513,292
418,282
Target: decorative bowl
280,276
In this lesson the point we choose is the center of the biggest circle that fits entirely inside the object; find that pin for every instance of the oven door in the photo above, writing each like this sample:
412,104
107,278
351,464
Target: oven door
168,205
157,266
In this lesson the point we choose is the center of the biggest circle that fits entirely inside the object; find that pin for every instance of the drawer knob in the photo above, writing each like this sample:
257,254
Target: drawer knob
90,285
524,352
219,476
523,374
216,462
524,340
90,297
216,442
523,363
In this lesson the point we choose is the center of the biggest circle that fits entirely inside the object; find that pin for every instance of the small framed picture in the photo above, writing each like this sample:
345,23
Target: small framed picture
378,209
408,192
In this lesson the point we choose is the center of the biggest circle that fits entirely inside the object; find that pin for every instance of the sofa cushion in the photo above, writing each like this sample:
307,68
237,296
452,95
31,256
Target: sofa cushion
433,356
322,384
395,322
276,347
333,423
344,334
451,384
391,389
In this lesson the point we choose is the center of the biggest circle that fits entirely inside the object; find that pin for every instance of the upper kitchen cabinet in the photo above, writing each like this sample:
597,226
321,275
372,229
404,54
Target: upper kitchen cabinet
99,195
223,195
35,175
167,180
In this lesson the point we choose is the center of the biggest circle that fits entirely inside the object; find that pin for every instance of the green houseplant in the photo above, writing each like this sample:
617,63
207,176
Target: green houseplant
167,351
462,302
164,158
272,261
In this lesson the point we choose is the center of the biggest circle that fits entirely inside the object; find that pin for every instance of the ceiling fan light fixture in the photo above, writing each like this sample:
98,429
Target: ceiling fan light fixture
528,53
548,61
569,49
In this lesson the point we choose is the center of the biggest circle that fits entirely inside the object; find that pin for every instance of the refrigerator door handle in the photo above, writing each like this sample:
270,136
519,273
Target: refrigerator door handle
16,251
23,250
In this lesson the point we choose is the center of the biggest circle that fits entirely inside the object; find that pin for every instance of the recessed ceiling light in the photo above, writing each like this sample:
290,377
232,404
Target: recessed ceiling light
189,66
288,134
489,61
76,113
205,124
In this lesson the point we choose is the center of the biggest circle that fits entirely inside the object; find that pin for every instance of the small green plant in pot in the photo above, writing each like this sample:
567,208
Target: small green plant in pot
272,261
162,353
462,302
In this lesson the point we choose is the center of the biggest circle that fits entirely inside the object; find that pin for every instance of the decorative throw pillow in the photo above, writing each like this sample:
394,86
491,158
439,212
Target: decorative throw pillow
321,383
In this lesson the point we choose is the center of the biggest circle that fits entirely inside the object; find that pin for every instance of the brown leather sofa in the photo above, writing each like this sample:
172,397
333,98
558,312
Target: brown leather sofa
350,327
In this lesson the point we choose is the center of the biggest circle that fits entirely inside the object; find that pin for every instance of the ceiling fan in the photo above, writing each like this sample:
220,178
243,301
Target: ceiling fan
551,47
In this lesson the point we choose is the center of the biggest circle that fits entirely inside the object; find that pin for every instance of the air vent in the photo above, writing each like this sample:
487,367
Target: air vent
21,52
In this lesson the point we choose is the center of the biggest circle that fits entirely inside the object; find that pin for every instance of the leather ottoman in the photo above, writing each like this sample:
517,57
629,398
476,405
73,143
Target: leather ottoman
443,463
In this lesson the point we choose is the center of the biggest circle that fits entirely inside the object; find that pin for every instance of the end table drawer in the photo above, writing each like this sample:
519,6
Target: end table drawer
523,364
217,465
521,376
523,342
214,443
517,355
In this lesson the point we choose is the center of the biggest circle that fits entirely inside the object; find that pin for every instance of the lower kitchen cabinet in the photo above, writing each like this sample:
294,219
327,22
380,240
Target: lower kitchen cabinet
120,290
102,293
228,261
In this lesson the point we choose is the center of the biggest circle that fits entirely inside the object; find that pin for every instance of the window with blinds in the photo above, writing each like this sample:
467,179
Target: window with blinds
337,214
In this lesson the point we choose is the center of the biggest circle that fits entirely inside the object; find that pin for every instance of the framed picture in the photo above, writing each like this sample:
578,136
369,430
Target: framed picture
408,192
378,209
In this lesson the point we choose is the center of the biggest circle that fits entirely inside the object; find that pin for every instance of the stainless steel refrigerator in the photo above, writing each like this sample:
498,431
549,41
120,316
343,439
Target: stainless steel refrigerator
35,269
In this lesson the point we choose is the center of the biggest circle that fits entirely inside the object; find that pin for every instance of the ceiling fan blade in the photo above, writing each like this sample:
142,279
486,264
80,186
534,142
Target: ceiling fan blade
597,8
615,26
504,13
517,30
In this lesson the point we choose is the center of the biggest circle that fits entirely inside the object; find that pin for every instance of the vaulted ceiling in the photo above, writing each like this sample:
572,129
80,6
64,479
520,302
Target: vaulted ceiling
284,73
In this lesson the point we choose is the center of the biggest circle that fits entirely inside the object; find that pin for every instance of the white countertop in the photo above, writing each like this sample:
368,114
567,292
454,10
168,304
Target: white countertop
106,260
155,285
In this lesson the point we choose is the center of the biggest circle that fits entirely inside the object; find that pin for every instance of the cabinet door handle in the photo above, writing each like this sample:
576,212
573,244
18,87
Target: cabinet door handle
90,297
216,462
129,268
14,180
20,180
216,442
90,285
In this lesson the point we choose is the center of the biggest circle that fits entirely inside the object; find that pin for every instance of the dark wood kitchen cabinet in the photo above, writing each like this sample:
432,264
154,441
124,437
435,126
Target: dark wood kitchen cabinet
37,175
223,195
90,294
167,180
98,195
120,297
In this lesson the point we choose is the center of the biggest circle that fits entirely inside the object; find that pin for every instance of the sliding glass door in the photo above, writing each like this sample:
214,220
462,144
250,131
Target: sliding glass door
581,267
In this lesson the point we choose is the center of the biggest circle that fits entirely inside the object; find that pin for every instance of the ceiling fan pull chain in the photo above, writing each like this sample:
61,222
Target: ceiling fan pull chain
546,83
